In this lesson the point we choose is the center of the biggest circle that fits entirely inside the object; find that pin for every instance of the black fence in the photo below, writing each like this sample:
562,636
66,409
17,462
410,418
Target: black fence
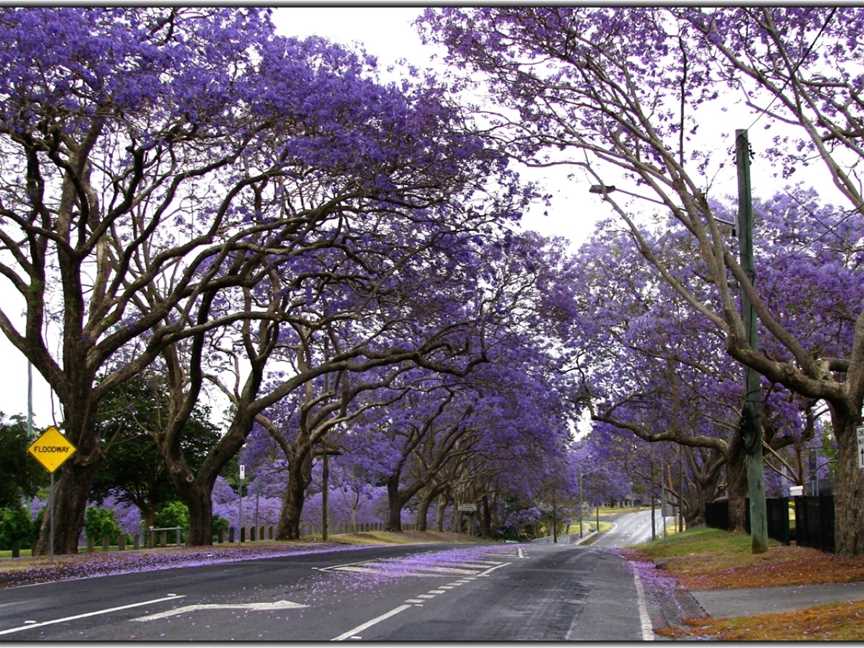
814,520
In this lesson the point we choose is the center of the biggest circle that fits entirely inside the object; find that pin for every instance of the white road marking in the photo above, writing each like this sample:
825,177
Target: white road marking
426,596
356,637
470,564
437,591
644,619
521,554
446,587
353,631
413,600
274,605
447,570
89,614
351,568
491,569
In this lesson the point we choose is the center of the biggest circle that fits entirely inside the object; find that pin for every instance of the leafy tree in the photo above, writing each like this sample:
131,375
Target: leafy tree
128,419
20,475
621,95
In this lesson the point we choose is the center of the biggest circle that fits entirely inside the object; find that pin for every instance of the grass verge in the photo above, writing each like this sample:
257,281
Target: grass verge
831,622
406,537
707,559
589,527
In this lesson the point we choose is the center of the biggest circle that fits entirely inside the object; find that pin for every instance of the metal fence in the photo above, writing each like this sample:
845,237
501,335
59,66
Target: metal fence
814,520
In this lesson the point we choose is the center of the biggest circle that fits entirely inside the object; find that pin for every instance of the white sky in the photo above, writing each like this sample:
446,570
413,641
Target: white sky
387,33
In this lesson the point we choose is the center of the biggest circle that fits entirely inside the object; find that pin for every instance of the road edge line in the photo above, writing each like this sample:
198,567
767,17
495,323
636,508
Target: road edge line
370,623
89,614
644,619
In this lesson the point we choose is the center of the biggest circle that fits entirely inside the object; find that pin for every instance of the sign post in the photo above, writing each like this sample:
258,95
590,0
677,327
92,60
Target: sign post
51,449
240,516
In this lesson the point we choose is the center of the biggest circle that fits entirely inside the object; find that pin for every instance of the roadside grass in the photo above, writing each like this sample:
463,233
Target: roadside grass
830,622
708,559
589,527
614,510
7,553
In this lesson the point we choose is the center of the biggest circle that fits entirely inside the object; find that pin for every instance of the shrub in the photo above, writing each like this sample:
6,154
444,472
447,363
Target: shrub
173,514
100,522
219,523
15,528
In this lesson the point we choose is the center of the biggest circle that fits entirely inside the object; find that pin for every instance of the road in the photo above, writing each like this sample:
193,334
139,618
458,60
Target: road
493,592
630,529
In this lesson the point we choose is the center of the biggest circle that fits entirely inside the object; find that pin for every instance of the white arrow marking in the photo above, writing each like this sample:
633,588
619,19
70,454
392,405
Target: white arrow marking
275,605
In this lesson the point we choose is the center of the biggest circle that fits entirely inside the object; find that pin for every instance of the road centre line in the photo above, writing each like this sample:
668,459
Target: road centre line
436,591
89,614
413,600
363,626
521,555
491,569
425,596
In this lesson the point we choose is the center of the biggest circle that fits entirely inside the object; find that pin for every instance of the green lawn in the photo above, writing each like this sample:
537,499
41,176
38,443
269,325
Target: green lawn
701,540
588,527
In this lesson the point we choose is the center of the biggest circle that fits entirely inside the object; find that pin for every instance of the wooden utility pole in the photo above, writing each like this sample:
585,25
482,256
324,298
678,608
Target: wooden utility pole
325,478
751,426
653,511
554,518
580,502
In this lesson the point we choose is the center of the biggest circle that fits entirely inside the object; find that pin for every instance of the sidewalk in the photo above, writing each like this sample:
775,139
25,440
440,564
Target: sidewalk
761,600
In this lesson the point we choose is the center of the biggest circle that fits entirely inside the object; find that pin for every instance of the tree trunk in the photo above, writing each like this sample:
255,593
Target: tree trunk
423,512
71,491
736,483
198,499
148,515
485,518
849,486
442,507
293,500
394,505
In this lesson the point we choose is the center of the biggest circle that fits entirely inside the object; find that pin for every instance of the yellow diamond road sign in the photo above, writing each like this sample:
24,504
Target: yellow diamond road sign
52,449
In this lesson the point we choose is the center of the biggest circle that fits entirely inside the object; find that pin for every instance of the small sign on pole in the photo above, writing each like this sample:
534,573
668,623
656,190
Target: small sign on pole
242,471
796,491
51,449
468,508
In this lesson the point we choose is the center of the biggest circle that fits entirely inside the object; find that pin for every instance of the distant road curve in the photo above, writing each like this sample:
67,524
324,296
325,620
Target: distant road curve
630,529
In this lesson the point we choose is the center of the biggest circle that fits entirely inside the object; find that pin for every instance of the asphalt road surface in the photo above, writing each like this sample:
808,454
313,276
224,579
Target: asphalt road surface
493,592
630,529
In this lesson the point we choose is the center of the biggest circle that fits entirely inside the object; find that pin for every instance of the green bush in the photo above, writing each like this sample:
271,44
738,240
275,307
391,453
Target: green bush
217,524
100,522
173,514
15,528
